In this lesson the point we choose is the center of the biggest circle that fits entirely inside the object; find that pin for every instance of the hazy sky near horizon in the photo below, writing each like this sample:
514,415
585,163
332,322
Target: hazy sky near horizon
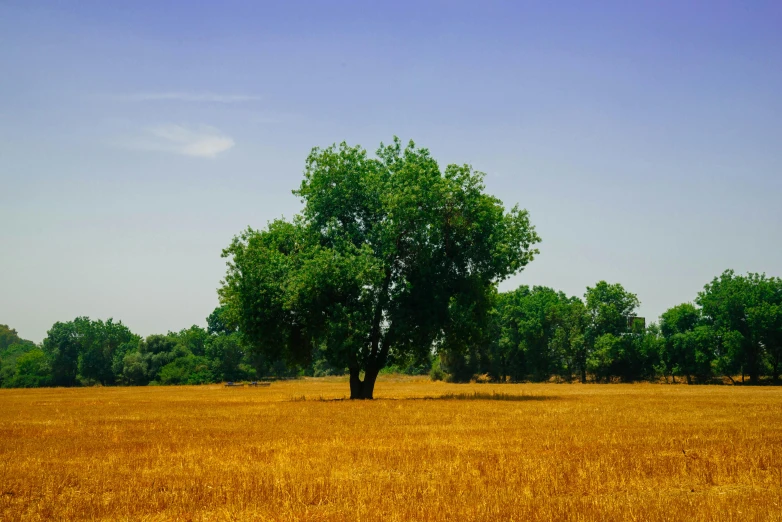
137,138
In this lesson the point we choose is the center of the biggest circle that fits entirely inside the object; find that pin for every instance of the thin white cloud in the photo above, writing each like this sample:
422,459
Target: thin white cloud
201,141
189,97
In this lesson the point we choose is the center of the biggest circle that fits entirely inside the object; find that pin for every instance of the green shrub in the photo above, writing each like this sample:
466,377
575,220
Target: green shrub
32,370
191,369
436,373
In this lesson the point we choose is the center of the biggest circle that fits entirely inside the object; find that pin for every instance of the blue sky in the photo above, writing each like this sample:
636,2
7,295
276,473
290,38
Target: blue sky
136,138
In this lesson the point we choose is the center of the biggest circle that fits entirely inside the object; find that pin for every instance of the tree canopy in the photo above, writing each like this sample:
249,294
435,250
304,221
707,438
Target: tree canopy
745,316
385,251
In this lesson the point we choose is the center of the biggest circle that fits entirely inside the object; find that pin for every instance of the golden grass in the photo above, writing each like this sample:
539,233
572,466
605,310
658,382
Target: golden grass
481,452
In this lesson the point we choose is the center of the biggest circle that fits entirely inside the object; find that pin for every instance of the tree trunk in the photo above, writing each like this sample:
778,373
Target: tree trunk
754,373
753,361
378,351
368,386
360,390
355,382
583,375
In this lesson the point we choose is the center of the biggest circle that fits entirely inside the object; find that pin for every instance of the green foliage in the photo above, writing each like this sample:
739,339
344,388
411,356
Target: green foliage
569,319
460,366
610,344
533,339
651,345
84,351
436,373
385,250
743,314
220,322
226,355
463,349
190,369
540,333
765,320
524,334
410,368
22,363
135,369
629,357
142,365
689,343
322,368
32,370
608,306
9,356
101,343
8,337
193,340
62,346
602,360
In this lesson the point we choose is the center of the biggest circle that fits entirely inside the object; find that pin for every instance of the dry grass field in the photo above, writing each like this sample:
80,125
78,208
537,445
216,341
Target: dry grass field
421,451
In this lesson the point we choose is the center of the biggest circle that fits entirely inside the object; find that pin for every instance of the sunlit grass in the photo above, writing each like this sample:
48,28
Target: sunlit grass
422,451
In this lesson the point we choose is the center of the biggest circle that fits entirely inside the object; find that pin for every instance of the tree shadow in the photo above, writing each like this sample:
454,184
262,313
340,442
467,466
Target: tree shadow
485,396
475,396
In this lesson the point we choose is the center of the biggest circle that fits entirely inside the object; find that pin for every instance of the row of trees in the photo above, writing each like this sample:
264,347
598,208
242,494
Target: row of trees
733,328
89,352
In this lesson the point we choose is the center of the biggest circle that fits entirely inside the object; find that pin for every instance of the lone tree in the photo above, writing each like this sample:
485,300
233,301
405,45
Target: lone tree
384,253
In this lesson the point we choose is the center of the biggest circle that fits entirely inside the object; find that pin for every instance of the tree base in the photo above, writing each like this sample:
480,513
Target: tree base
362,390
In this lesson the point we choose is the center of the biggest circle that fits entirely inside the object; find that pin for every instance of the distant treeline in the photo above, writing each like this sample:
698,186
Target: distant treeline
733,330
84,352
